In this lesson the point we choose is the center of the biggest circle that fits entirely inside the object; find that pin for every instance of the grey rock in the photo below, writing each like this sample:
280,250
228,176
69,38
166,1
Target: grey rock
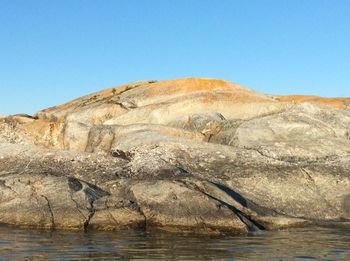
193,154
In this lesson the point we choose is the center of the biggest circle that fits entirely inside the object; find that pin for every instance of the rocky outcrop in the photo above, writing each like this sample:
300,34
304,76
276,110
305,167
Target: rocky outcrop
189,154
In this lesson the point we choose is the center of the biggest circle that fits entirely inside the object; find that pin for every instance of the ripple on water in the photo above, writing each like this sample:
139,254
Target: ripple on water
299,244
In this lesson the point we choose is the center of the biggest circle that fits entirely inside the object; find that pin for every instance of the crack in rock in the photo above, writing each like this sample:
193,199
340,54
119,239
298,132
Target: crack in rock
3,184
77,206
53,225
251,225
92,212
91,192
315,187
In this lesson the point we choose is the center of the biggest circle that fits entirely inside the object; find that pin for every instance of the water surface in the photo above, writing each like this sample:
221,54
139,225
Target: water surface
297,244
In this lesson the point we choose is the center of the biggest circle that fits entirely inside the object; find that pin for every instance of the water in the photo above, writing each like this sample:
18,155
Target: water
297,244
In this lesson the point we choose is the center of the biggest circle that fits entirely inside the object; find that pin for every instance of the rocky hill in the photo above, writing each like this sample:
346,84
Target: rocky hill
191,154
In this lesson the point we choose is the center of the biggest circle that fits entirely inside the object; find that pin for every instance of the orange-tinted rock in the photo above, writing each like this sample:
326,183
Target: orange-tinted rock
189,154
340,103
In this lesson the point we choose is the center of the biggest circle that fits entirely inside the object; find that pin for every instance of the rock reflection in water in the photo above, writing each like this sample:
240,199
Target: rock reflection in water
298,244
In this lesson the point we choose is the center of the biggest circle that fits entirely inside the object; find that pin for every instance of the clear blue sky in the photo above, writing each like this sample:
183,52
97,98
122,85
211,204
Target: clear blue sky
54,51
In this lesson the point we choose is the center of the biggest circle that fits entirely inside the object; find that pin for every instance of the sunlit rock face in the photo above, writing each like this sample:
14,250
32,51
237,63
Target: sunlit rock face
192,154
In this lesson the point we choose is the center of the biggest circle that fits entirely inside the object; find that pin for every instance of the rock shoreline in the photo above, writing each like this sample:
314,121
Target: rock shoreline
190,154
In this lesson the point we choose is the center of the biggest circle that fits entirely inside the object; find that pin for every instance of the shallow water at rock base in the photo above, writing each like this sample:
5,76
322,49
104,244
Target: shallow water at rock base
296,244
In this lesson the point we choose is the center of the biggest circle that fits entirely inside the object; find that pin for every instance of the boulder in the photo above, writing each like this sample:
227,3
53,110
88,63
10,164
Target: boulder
190,154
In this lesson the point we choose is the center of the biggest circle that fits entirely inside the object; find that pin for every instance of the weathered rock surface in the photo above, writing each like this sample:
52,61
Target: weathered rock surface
189,154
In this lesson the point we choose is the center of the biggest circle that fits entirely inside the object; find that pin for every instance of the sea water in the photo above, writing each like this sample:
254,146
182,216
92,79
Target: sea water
294,244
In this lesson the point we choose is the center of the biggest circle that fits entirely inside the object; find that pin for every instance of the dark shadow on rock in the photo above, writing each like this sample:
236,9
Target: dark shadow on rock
122,155
251,225
91,191
74,184
172,172
245,202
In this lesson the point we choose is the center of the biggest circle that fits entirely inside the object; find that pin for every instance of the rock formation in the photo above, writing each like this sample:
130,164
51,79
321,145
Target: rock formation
191,154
